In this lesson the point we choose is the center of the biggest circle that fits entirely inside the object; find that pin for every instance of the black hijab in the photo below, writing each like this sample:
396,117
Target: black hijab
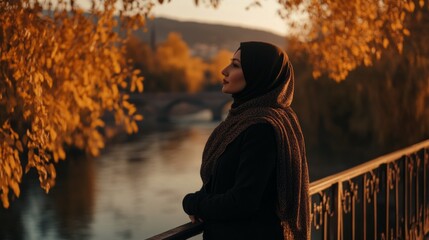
265,67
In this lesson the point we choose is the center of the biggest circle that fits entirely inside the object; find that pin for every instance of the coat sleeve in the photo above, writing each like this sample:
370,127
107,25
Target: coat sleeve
257,162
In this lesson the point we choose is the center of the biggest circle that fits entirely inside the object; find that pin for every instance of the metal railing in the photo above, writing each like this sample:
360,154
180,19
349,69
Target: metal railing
385,198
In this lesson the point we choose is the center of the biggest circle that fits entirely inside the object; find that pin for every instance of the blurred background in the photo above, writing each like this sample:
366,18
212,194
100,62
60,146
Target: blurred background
132,185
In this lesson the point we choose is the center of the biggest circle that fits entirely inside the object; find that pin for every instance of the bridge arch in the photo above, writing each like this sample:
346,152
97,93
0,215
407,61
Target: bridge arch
165,112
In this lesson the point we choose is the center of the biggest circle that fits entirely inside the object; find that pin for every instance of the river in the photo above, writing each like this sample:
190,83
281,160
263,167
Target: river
132,191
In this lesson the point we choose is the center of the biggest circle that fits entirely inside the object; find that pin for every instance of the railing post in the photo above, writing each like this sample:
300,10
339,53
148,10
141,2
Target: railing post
426,191
386,169
339,210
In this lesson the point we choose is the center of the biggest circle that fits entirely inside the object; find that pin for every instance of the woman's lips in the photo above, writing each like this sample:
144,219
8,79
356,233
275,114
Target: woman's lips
224,81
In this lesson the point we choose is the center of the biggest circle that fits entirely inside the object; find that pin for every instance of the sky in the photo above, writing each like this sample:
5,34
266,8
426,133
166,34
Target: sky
229,12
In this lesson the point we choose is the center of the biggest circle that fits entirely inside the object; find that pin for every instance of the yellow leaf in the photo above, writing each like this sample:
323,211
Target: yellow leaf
133,86
26,114
48,79
41,77
7,169
54,51
61,153
131,110
139,85
355,50
406,32
134,126
378,55
49,63
97,123
385,43
17,75
53,134
116,67
115,90
324,29
52,171
55,156
411,6
138,117
402,17
400,47
37,90
316,74
66,71
4,197
19,146
94,151
15,188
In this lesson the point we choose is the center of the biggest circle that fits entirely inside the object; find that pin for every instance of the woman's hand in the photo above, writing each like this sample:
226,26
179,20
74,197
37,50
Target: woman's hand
192,217
195,219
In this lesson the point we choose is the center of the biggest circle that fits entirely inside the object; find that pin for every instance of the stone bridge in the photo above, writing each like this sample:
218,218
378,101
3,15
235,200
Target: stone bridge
159,105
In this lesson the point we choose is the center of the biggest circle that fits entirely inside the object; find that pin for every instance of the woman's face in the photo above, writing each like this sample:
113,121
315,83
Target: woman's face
233,82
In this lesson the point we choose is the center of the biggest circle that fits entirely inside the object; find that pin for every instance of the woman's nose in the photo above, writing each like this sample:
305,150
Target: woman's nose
224,72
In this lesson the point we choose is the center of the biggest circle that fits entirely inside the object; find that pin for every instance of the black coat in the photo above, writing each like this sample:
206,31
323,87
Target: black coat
239,200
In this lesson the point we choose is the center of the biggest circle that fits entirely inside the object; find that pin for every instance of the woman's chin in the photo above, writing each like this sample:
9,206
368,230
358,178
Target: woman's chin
225,90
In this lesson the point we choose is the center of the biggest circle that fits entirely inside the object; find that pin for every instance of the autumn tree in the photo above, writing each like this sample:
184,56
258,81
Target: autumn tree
380,49
61,70
381,46
174,53
170,66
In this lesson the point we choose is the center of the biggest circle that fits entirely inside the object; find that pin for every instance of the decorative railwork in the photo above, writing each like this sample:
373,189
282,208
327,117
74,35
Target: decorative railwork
321,213
414,204
349,198
372,187
393,229
387,198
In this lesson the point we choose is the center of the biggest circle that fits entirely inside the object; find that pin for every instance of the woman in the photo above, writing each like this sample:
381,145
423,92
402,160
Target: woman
254,168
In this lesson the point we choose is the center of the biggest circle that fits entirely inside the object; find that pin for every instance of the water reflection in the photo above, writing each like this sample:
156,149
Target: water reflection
64,214
133,191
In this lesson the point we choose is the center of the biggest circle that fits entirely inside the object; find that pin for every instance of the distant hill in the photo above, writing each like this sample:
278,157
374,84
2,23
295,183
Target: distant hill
204,38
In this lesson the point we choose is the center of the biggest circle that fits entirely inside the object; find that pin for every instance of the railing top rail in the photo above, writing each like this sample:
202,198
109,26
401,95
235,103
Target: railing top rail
326,182
184,231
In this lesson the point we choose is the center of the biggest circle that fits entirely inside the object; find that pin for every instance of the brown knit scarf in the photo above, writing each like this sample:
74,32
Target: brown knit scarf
292,173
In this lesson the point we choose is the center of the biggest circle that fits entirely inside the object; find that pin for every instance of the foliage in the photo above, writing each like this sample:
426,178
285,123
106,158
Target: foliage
388,101
170,67
175,54
61,70
341,35
384,106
